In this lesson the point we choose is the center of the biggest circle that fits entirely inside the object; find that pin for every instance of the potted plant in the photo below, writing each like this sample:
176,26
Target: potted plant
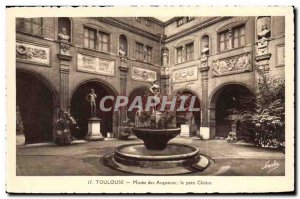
20,137
126,129
64,124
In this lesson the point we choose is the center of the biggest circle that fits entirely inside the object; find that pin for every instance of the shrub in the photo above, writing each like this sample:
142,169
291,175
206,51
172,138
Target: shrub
266,122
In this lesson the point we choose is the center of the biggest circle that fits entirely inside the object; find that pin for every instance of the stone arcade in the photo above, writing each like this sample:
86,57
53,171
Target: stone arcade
59,60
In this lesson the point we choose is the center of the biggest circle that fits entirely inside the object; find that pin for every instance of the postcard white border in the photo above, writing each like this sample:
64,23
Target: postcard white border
79,184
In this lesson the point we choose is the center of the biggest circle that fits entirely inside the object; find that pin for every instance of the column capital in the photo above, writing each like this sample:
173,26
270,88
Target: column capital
165,76
263,57
123,69
204,69
64,57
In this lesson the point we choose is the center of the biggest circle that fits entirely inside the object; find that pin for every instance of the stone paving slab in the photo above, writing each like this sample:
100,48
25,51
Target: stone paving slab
84,158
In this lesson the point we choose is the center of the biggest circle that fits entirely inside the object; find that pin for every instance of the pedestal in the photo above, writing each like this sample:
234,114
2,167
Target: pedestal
94,133
185,130
204,133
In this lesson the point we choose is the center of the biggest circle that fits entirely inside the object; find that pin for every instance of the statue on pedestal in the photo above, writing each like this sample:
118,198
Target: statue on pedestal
122,54
165,57
65,41
263,40
155,90
165,61
204,54
91,98
63,36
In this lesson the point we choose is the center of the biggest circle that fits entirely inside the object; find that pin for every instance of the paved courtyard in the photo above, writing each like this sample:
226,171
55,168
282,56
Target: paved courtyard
227,159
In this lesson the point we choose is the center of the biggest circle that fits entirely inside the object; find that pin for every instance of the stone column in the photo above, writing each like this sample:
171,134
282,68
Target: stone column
123,84
164,72
65,59
204,129
262,62
165,84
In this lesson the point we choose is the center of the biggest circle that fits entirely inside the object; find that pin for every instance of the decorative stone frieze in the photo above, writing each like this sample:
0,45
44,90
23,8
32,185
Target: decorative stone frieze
185,74
33,53
87,63
231,65
143,74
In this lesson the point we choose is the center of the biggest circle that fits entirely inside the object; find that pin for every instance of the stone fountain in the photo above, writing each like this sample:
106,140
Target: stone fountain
155,156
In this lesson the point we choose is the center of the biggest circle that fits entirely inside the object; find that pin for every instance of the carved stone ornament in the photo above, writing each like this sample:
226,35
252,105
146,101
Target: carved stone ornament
164,71
143,74
263,38
123,62
63,36
204,55
33,53
96,65
232,65
64,48
185,74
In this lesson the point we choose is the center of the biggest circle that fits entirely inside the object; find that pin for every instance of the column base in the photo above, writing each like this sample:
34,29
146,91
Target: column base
94,133
185,130
204,133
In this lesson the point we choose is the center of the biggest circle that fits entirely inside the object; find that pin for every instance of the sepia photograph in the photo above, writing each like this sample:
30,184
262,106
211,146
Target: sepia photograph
182,100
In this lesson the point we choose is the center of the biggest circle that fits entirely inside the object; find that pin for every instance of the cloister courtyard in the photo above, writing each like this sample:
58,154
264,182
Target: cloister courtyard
83,158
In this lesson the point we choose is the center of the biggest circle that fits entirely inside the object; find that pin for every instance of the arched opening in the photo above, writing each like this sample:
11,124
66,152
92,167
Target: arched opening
81,109
123,44
183,117
226,99
36,103
204,44
141,91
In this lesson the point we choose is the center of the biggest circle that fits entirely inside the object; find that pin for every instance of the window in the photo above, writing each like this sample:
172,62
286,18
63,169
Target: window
185,55
148,23
95,39
190,52
89,38
103,42
138,19
180,22
139,51
232,38
184,20
224,40
179,54
148,54
190,19
143,52
239,36
30,25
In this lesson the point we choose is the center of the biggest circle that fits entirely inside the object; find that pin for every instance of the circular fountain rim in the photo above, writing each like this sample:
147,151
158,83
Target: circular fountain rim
157,130
195,151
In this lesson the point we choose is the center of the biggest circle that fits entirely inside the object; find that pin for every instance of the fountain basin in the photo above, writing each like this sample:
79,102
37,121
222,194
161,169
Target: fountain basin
156,139
174,159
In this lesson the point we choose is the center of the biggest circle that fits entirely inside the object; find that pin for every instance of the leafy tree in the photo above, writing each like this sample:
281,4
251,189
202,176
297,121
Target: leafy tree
266,121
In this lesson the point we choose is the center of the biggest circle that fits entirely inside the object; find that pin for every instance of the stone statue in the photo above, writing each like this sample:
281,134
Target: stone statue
63,36
91,98
122,52
165,69
165,58
264,33
204,54
155,90
263,40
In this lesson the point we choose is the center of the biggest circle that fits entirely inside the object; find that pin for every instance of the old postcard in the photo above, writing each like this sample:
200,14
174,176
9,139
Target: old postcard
150,100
